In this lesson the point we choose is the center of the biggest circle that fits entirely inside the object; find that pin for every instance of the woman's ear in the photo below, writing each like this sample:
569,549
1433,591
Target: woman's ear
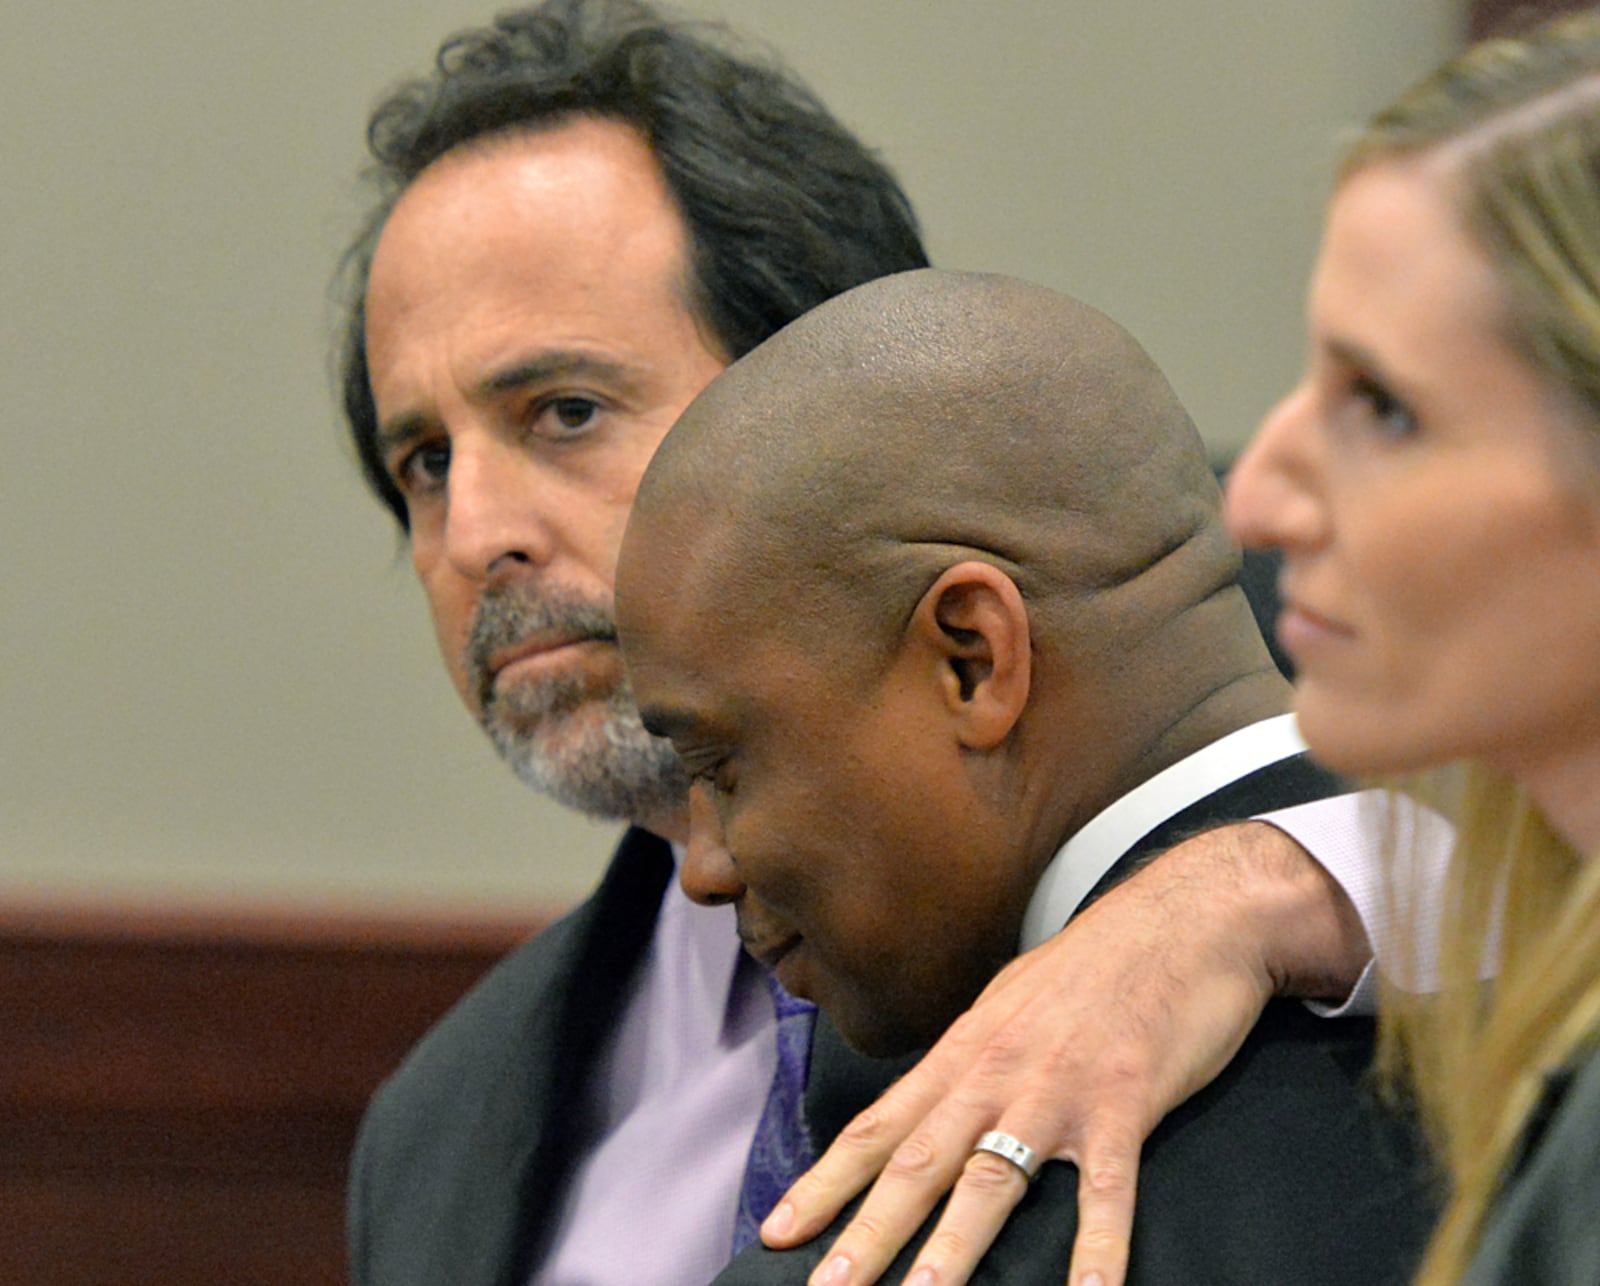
974,618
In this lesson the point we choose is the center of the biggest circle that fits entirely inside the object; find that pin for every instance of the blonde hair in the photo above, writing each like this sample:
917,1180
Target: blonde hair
1517,125
1478,1059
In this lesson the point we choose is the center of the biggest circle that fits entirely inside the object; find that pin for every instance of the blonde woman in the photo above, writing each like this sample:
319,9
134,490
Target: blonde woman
1434,484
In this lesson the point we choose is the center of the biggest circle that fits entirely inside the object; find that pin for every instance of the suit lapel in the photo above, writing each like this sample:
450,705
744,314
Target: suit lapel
539,1108
1295,780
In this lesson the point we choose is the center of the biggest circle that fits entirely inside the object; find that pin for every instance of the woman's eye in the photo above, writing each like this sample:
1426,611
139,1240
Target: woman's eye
1392,416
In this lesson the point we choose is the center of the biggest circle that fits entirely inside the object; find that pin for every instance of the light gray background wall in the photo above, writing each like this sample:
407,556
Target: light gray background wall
216,680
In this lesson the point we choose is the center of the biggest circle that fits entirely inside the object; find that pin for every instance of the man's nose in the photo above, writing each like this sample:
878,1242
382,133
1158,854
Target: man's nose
493,522
708,873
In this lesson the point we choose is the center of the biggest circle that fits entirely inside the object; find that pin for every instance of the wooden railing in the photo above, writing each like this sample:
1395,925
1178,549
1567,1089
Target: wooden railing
179,1090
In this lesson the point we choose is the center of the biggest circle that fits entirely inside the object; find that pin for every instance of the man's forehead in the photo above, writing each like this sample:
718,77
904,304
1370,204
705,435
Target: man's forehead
677,679
510,254
586,198
571,156
660,577
677,611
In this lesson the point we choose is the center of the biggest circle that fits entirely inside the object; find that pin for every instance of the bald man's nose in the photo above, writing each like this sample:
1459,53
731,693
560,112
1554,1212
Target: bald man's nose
708,873
493,523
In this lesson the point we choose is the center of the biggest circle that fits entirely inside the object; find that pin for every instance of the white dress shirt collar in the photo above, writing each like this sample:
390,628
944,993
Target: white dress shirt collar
1081,862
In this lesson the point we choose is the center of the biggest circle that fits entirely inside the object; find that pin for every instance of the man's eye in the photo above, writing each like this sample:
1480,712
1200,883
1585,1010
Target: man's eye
719,777
1392,417
572,413
424,469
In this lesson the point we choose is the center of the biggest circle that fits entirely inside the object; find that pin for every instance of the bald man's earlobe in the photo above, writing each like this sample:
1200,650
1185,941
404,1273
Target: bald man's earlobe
974,616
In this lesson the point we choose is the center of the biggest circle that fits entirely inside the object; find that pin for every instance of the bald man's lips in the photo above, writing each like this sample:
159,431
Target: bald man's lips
770,940
772,952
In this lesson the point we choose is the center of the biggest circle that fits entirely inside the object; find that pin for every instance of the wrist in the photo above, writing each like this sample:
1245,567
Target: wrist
1306,932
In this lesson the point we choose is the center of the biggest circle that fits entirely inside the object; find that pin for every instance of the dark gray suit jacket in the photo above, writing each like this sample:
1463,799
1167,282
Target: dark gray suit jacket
465,1150
1545,1227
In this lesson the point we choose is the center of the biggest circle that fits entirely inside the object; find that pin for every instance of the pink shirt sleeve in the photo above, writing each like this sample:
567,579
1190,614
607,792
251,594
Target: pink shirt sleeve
1352,836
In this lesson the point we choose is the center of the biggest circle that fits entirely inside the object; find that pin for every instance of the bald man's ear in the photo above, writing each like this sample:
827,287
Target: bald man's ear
974,616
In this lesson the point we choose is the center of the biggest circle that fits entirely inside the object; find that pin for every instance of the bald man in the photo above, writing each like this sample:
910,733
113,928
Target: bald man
931,594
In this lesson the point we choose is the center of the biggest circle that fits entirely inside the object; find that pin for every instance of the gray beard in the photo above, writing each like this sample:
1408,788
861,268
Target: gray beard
583,746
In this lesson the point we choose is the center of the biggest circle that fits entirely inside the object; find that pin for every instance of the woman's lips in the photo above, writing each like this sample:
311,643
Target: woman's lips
1301,629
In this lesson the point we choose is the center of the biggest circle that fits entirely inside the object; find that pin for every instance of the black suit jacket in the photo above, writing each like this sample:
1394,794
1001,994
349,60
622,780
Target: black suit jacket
1283,1170
465,1151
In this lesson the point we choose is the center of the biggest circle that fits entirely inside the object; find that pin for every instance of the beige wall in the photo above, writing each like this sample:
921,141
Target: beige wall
216,678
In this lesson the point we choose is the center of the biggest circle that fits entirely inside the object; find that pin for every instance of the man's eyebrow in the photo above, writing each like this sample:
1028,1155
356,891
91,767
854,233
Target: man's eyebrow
549,367
400,432
544,368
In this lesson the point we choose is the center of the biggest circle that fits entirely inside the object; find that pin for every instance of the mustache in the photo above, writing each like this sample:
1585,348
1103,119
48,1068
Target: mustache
509,614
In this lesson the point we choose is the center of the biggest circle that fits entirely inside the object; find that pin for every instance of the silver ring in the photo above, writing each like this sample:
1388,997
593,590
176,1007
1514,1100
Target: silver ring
1010,1148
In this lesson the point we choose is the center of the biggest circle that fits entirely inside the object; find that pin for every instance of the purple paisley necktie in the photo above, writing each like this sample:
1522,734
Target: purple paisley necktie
781,1150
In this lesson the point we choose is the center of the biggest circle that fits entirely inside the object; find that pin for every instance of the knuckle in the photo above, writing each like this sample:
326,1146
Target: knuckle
1097,1239
948,1246
994,1072
870,1131
1129,1068
866,1229
1106,1177
913,1159
968,1029
1125,1112
1114,1066
988,1175
1007,1044
1110,1132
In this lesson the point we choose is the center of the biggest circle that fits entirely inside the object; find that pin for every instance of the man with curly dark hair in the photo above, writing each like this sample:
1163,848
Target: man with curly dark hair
584,213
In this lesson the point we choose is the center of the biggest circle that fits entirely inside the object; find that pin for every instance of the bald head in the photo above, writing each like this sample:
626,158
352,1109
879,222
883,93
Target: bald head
917,588
932,416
